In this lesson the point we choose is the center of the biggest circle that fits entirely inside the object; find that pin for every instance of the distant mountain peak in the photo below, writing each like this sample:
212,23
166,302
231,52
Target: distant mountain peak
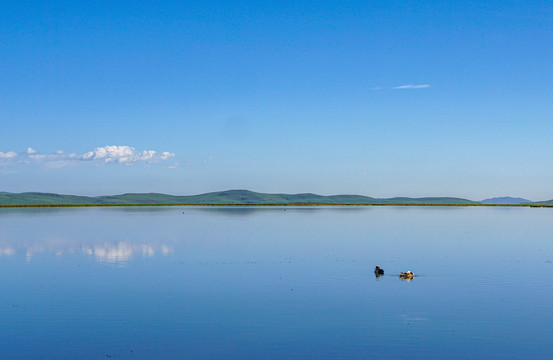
506,200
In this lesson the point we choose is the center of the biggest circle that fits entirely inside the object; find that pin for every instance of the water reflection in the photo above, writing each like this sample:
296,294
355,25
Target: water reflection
123,251
107,252
7,251
278,284
263,210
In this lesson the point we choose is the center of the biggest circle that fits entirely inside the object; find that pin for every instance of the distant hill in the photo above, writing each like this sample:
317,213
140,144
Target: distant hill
548,202
33,198
426,200
233,197
218,198
506,200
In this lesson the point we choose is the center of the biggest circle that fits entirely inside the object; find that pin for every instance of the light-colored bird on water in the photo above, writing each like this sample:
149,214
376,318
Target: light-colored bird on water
406,275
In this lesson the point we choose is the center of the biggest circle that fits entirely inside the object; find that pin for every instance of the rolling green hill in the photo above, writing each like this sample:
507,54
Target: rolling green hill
36,198
218,198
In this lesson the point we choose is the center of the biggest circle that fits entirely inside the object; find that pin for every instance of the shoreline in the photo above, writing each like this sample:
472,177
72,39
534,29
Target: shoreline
266,205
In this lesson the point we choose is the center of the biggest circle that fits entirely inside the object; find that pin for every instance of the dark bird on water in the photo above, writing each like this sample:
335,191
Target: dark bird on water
378,270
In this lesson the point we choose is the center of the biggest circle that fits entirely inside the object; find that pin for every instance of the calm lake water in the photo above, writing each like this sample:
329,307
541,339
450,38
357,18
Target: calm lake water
282,283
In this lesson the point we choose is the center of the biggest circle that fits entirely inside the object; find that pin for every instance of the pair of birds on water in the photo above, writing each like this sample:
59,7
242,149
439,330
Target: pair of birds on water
404,275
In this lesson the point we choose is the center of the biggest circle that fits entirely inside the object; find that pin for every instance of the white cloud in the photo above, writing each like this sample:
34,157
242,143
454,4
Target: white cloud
402,87
88,155
104,154
410,86
166,155
38,157
147,155
113,153
125,154
8,155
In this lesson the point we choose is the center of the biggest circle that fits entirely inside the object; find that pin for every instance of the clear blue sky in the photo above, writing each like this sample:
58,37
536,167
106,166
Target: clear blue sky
380,98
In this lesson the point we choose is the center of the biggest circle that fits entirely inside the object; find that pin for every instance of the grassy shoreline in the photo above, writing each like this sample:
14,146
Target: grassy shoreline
265,205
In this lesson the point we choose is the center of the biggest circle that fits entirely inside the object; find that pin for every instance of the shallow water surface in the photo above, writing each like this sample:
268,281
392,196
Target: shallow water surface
295,282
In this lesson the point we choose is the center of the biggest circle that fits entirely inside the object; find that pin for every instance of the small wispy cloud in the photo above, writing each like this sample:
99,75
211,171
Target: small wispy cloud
104,154
411,86
403,87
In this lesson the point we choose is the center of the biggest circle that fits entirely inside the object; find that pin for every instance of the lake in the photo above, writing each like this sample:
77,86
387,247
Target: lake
276,282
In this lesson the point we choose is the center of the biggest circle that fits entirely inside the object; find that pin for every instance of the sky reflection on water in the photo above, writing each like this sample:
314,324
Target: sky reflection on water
105,245
117,253
276,282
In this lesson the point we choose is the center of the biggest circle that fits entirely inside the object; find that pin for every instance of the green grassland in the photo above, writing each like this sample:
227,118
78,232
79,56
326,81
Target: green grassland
230,197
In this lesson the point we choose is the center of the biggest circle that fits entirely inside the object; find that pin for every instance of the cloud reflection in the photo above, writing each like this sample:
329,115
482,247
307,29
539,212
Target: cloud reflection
7,251
105,252
124,251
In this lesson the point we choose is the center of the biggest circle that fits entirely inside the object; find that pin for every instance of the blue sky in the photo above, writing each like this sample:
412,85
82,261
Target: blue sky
380,98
